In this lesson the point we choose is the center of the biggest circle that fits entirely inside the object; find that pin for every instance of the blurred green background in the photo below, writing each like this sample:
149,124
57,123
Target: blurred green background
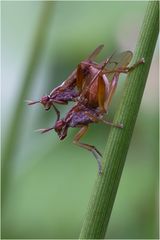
46,184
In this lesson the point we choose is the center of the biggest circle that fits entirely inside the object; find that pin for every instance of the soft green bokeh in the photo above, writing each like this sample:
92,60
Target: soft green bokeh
51,181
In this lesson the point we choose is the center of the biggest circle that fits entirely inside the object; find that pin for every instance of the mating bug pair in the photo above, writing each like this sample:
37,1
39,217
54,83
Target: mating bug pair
91,86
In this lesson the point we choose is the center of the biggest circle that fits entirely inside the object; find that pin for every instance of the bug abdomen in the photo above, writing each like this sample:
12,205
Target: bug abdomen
79,118
66,95
83,117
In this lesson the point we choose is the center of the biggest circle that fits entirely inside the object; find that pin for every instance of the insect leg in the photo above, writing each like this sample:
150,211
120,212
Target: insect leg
90,148
141,61
60,101
111,123
125,69
92,117
102,92
57,112
128,69
97,119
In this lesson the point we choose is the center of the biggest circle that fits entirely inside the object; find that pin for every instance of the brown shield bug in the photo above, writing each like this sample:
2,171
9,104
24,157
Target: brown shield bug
96,84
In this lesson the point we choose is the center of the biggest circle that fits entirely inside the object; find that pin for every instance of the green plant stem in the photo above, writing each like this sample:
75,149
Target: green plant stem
104,192
16,124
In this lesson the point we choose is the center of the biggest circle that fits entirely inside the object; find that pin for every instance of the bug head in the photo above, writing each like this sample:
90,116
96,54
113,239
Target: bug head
45,101
61,128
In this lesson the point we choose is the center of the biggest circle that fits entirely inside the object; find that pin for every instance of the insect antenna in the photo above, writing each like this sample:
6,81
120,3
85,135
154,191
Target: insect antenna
30,102
44,130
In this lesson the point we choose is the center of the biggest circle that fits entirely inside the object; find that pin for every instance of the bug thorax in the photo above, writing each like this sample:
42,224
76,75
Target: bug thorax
61,128
85,70
88,71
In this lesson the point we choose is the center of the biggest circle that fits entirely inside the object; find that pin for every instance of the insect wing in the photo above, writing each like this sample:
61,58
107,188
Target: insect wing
71,80
95,52
118,61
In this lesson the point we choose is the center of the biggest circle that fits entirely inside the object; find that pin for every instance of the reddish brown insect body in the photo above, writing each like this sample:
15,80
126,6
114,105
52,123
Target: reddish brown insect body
67,91
95,84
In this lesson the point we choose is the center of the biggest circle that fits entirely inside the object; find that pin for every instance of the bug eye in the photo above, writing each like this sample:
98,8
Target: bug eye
61,129
44,100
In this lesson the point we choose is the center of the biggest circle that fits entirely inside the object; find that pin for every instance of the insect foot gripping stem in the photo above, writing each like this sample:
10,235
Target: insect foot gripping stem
141,61
98,157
